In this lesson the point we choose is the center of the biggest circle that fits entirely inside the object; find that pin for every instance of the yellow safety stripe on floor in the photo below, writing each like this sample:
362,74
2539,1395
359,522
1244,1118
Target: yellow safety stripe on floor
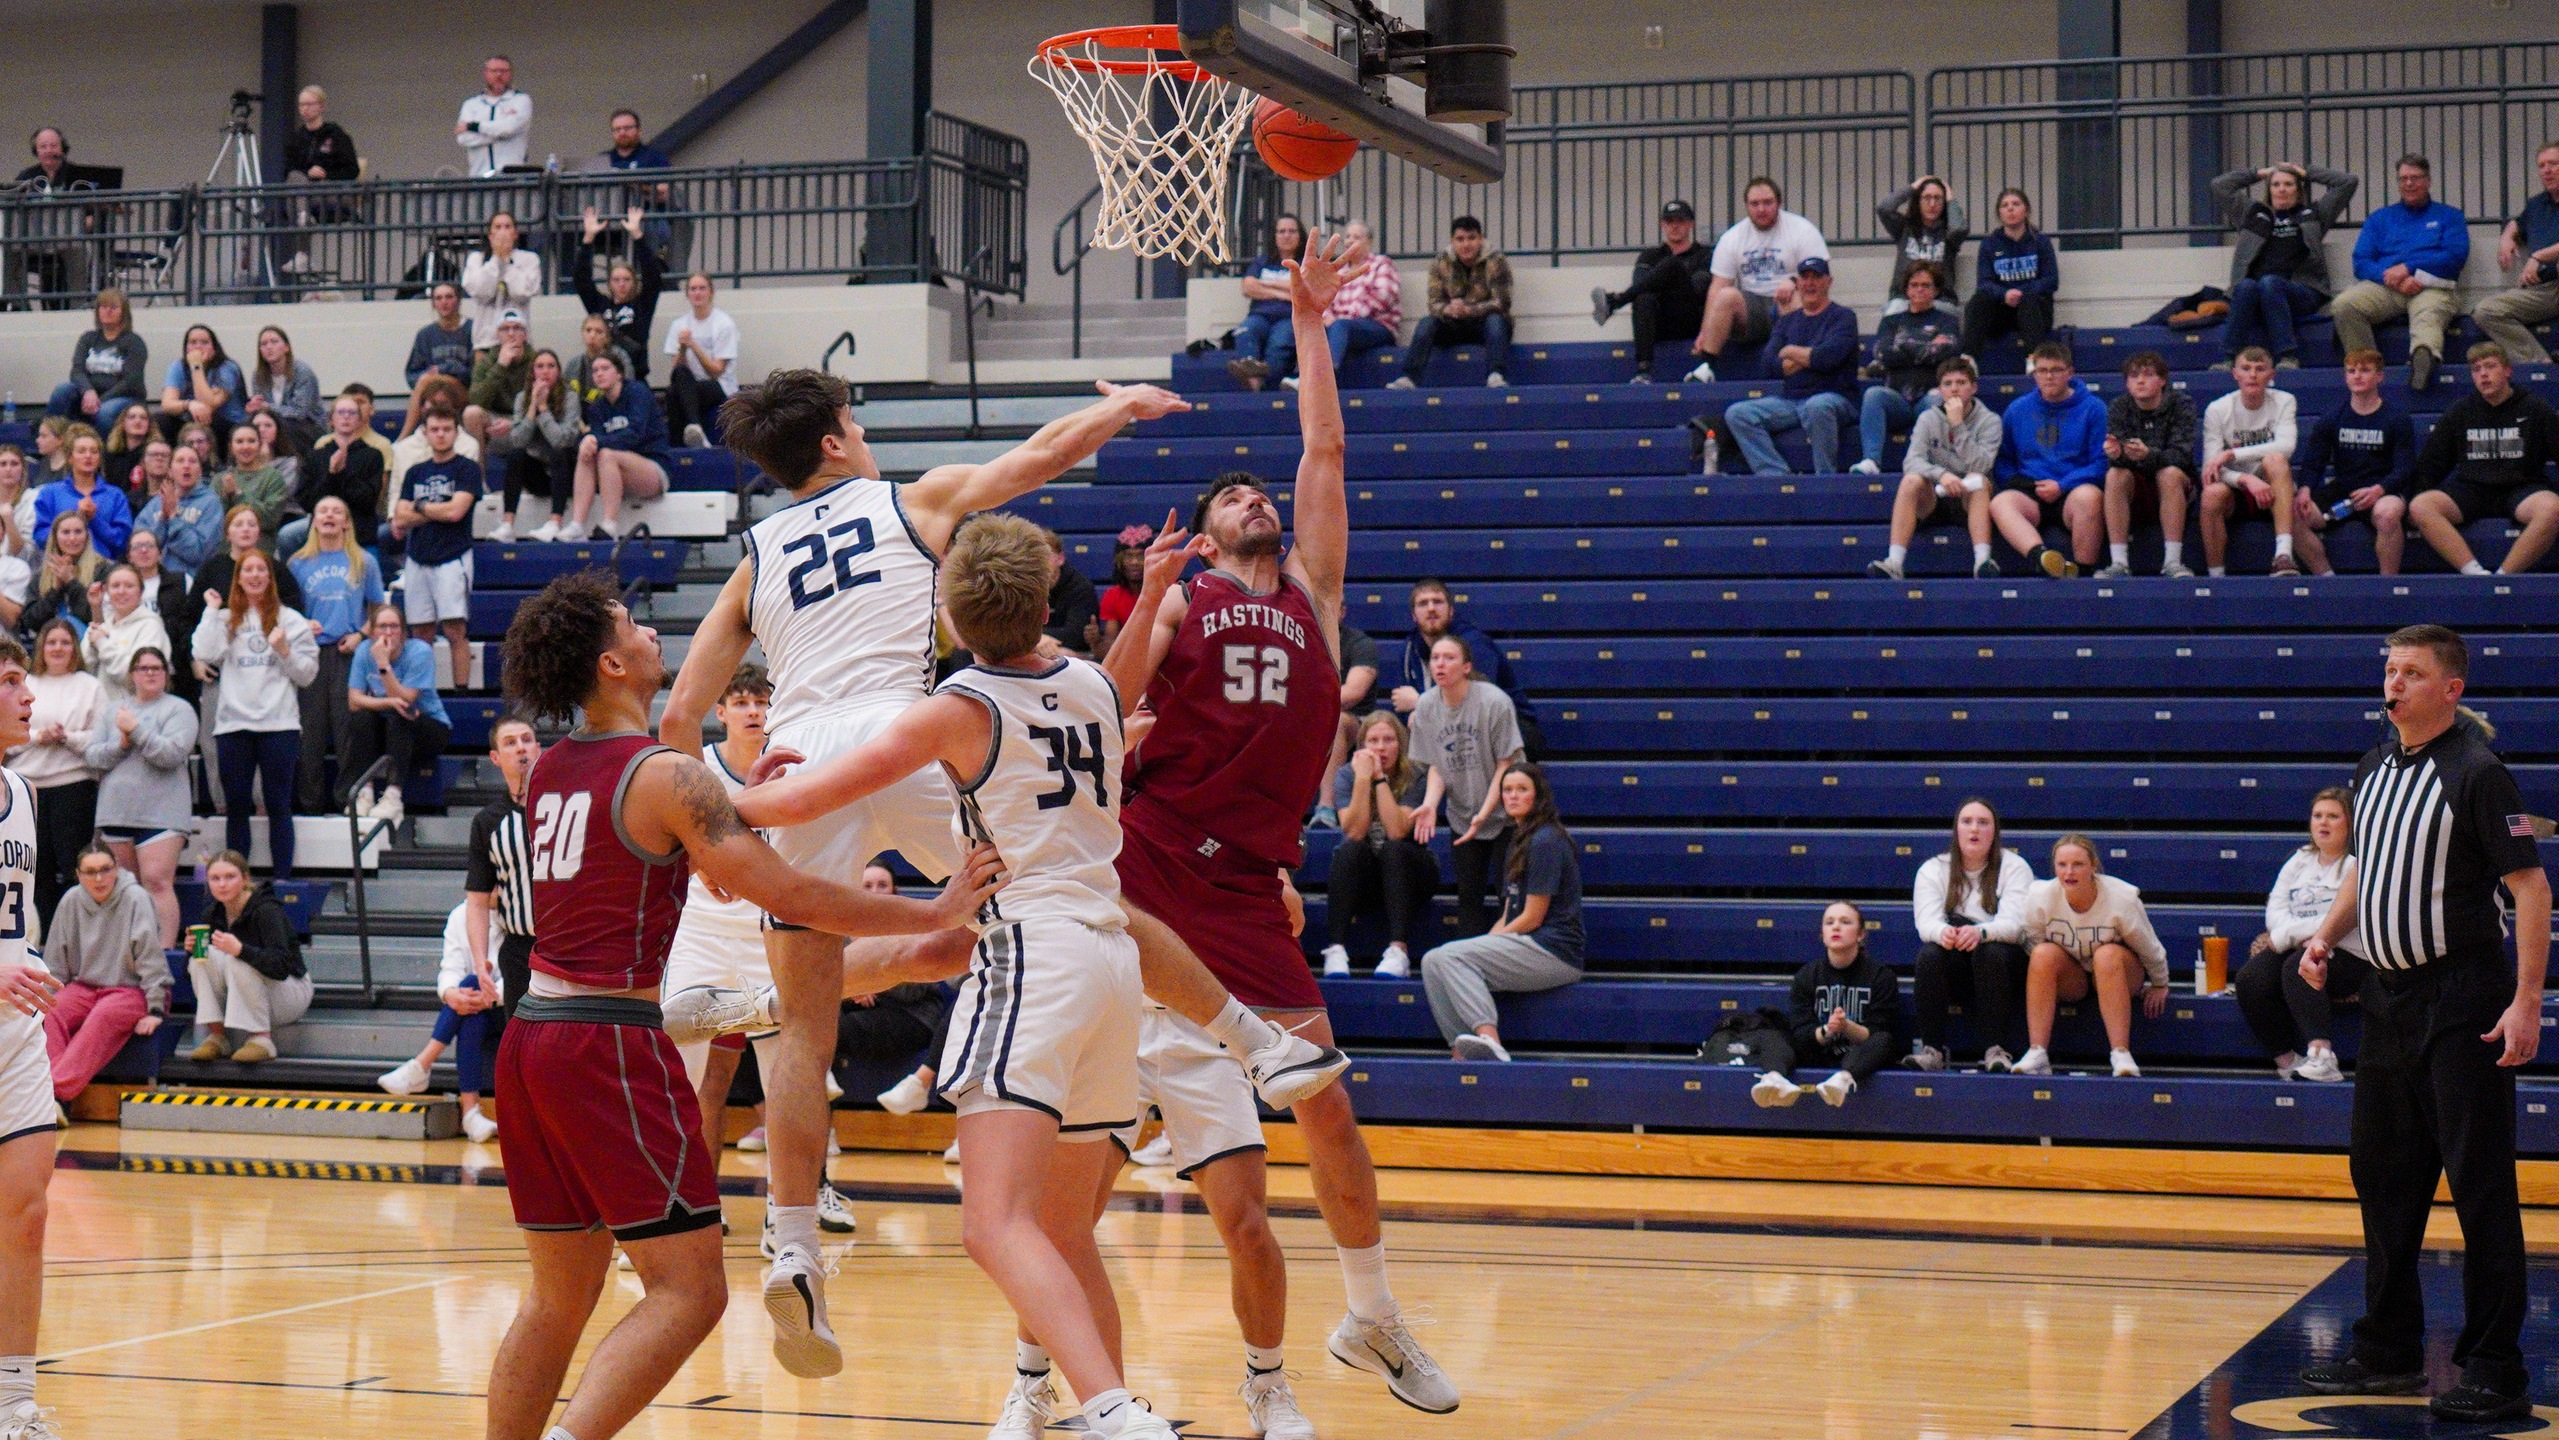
277,1102
273,1169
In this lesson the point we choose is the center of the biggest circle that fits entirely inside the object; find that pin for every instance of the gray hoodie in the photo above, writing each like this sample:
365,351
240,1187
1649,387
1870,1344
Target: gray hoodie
111,943
1971,448
144,784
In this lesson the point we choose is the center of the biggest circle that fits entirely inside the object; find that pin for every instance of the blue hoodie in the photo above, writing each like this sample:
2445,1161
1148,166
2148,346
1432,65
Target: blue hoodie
2064,442
2026,263
2435,239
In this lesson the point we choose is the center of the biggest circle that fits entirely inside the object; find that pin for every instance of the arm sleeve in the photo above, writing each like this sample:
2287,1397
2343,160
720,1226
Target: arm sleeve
1544,872
79,354
416,666
2217,426
1883,1003
1925,432
2311,464
2280,925
1888,211
2287,434
2495,811
2403,456
2144,942
1981,454
481,277
302,659
2047,279
1928,902
2368,264
267,941
137,367
508,118
1799,1009
582,278
1439,295
482,878
2016,885
1501,278
150,963
2232,191
2442,451
2337,189
2450,252
1505,730
421,359
168,744
208,644
1838,341
104,747
2183,427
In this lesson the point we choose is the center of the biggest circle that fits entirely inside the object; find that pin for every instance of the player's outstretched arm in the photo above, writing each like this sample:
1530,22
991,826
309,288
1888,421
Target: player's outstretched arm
674,800
949,493
1321,519
1153,621
718,644
949,728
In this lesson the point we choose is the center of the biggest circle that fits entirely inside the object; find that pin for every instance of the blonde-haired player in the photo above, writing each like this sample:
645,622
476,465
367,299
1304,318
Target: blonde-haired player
27,1109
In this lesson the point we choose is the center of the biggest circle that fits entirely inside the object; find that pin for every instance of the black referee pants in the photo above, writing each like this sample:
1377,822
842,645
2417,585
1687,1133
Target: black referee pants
2430,1101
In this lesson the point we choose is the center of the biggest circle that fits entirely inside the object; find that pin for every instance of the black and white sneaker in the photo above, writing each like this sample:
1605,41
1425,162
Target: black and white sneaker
2351,1376
834,1214
2475,1404
1291,1068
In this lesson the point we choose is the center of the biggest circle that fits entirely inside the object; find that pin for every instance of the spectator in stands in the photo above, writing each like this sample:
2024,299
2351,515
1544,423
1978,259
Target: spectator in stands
2408,262
624,454
280,449
2362,457
1366,312
2090,932
2052,456
1074,612
1378,868
1465,731
498,277
184,515
1915,339
2489,457
2015,280
443,347
467,1023
441,394
211,584
494,126
103,944
2151,434
2530,241
256,480
164,591
62,579
1265,344
595,338
319,149
250,981
498,375
1359,697
2279,269
199,438
146,808
282,386
2249,436
203,386
121,626
345,469
1954,450
628,303
433,514
2294,1020
83,491
1928,226
1435,615
362,395
1470,301
17,504
267,652
127,446
1128,574
703,372
55,760
1845,1010
1814,345
397,709
341,586
540,446
50,433
1668,293
1756,269
108,366
1538,943
1969,905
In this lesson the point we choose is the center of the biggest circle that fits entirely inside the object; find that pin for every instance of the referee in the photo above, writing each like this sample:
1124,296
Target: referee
501,875
2438,826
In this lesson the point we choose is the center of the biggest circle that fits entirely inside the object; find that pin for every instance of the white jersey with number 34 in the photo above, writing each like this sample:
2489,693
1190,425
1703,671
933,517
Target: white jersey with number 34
842,603
1049,795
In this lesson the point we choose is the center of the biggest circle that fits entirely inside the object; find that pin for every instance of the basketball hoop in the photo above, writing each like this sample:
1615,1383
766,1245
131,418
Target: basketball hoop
1162,130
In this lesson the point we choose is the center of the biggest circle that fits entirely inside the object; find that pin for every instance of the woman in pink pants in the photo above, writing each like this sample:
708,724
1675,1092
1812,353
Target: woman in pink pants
104,945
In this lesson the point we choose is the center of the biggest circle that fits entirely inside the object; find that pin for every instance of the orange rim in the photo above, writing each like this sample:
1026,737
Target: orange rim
1123,37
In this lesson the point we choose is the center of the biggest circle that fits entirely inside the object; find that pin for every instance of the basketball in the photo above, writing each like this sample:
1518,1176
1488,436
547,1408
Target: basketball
1297,147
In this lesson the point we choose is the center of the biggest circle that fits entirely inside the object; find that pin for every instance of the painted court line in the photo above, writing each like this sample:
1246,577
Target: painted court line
243,1320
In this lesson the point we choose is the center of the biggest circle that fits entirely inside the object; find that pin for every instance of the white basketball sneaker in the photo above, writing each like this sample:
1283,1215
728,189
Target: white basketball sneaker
407,1078
1140,1422
1028,1409
1292,1067
795,1296
698,1014
834,1212
29,1423
1272,1406
2033,1062
1387,1348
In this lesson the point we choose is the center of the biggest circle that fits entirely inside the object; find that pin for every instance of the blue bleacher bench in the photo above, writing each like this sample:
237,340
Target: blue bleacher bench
1391,457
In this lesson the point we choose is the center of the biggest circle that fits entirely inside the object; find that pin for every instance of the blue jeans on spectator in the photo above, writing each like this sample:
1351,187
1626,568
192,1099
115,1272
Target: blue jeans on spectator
2263,311
1494,330
1883,411
475,1060
1822,417
275,758
66,401
1355,335
1271,341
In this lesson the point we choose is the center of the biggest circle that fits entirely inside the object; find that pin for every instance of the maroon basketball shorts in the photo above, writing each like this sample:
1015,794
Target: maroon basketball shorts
601,1130
1224,904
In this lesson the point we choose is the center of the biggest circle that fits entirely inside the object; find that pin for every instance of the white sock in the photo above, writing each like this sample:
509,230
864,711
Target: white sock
558,1432
2216,570
1364,1276
17,1383
1980,553
1104,1413
2474,568
2283,544
793,1225
1263,1362
1895,554
2172,552
2120,554
1240,1030
1030,1359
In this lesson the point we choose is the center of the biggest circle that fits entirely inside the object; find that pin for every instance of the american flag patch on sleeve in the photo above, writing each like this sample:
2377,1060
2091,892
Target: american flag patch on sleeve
2519,825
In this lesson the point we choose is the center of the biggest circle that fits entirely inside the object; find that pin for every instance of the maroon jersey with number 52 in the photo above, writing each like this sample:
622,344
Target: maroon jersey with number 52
604,911
1245,706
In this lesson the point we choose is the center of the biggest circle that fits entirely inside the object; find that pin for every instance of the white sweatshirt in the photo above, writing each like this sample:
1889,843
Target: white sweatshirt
260,690
2300,900
456,965
505,123
2252,435
2005,920
108,646
70,701
2115,918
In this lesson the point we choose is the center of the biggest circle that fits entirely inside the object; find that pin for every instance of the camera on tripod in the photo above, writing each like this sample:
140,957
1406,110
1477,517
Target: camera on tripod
243,104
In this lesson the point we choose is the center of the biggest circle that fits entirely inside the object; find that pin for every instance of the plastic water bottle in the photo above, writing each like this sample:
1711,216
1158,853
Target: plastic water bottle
9,412
2341,510
1712,460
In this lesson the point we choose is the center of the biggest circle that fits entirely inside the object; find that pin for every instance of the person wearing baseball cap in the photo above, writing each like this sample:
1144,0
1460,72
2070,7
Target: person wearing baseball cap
1814,346
1669,290
499,374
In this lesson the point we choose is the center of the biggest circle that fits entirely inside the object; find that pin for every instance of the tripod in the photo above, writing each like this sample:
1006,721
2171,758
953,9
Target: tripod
240,148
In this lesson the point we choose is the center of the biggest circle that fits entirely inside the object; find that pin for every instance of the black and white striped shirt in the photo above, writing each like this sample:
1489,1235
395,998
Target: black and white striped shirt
2436,829
502,864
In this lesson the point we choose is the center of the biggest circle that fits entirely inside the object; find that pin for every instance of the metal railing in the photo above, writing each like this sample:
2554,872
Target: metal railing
957,212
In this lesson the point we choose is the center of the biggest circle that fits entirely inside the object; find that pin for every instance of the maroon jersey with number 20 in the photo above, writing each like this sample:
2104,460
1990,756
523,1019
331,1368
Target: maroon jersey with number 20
604,913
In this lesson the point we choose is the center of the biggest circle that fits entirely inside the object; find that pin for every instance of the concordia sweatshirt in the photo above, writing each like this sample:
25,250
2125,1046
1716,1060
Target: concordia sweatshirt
2303,892
111,943
2115,917
1868,991
261,690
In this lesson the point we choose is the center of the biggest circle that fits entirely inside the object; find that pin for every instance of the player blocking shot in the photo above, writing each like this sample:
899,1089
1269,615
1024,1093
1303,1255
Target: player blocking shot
1041,1063
603,1140
28,1112
838,588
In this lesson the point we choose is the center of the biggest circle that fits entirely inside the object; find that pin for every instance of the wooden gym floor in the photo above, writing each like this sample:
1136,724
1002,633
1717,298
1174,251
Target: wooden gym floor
203,1285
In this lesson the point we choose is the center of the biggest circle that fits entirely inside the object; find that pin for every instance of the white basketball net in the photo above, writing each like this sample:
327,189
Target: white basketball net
1163,186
